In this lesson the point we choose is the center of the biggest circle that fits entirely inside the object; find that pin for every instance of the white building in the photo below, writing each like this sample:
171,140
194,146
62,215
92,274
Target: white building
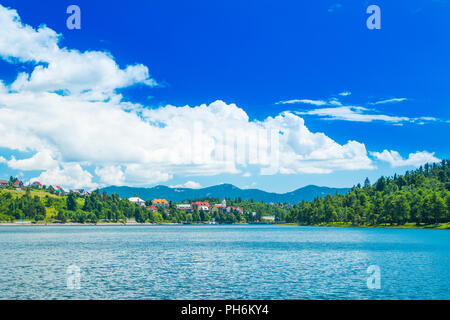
184,206
203,208
137,200
268,219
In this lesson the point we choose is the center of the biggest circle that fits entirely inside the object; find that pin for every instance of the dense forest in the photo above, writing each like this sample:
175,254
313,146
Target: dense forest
68,208
421,196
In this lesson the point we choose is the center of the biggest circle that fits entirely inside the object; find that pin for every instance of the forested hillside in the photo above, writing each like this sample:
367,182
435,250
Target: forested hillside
421,196
227,191
40,205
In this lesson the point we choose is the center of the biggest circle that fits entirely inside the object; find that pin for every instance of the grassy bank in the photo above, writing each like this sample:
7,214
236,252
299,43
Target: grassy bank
33,192
441,226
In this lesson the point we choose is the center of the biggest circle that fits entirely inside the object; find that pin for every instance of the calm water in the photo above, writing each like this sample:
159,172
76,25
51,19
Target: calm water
222,262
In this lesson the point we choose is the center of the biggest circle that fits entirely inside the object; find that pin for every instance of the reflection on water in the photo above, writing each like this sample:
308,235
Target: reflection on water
221,262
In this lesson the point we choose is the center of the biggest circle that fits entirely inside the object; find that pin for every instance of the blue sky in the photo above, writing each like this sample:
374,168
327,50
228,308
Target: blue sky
386,89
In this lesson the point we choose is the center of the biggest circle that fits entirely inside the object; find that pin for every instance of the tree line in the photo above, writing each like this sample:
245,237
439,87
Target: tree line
421,196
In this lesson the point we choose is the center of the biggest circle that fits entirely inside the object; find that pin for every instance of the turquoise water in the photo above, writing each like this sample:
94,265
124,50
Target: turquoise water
222,262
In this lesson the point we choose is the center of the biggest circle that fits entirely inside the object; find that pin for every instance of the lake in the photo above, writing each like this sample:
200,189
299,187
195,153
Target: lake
221,262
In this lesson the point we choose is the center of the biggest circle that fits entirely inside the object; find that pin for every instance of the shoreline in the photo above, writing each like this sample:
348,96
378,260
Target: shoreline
445,226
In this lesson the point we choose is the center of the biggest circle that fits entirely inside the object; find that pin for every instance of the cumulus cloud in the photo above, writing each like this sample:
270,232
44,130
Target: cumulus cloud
188,184
147,173
92,74
67,113
22,42
42,160
154,144
111,175
414,159
70,175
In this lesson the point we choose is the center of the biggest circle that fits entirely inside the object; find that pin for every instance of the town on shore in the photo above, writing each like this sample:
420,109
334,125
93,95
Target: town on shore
417,199
73,203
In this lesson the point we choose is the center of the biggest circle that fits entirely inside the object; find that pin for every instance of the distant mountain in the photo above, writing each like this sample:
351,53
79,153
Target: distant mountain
228,191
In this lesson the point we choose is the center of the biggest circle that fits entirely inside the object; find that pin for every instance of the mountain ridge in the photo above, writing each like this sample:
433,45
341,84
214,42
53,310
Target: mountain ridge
224,190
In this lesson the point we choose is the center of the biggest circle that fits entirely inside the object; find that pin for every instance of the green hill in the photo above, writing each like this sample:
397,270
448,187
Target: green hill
419,197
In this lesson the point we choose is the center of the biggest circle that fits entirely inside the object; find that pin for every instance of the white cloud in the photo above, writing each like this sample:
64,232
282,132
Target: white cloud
352,113
334,102
335,110
91,126
154,144
188,184
92,74
146,174
345,93
302,151
393,100
69,175
426,119
111,175
42,160
22,42
414,159
305,101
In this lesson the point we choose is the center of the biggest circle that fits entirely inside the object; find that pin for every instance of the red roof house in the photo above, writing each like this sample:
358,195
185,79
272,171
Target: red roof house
200,205
36,184
18,183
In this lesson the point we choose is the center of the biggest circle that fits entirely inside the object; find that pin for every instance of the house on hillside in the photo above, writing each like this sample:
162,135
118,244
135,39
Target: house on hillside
4,183
36,185
137,200
18,184
78,191
160,203
152,208
222,208
81,192
201,206
58,190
